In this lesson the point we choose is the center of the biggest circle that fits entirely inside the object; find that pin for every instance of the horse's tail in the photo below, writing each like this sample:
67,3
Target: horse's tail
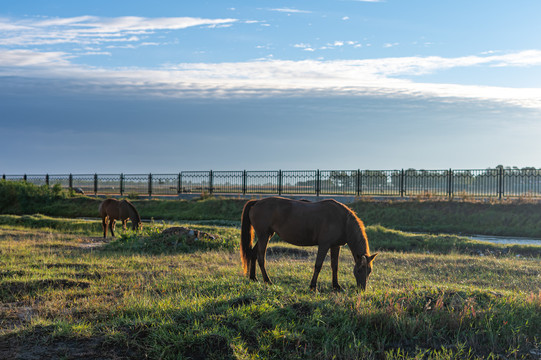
246,235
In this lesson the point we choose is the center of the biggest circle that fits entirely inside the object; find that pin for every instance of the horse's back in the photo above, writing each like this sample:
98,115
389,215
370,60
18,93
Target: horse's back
301,206
298,222
107,206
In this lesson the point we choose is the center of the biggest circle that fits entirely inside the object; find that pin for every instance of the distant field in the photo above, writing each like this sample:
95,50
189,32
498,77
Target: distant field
65,293
510,218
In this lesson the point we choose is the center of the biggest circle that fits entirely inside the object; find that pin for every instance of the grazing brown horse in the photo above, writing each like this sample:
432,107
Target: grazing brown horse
327,224
113,209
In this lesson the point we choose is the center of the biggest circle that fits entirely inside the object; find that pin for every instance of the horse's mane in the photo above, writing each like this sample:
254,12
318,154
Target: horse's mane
352,218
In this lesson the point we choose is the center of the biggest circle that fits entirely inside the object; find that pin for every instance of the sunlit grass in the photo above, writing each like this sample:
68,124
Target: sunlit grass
139,294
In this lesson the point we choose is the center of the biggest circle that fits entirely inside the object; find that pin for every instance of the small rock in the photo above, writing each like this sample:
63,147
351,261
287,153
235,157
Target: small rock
536,352
190,234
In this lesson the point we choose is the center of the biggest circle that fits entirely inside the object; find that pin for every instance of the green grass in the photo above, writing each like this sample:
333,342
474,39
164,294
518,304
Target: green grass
66,293
152,241
159,297
48,223
509,217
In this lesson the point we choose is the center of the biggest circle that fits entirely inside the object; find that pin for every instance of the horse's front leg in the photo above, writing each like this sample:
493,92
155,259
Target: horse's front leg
124,223
335,253
321,253
104,226
112,226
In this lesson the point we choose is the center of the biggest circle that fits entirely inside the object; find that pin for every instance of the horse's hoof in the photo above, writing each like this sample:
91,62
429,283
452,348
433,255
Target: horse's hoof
313,288
337,288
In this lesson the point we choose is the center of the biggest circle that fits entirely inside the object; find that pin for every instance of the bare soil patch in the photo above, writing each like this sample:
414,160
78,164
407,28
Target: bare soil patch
40,344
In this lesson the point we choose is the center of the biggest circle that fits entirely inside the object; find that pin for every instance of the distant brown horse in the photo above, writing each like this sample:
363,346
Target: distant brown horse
327,224
112,210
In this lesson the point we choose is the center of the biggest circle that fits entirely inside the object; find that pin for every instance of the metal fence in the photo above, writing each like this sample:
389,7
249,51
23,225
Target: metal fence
486,183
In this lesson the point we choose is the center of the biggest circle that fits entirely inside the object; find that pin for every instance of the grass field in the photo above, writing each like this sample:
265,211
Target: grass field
510,217
66,294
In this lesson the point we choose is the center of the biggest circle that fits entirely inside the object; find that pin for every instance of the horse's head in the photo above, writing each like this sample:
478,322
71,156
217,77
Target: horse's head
137,225
362,269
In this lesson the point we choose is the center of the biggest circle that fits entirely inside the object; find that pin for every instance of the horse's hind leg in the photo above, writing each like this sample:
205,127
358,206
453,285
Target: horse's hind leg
260,249
112,226
104,226
252,263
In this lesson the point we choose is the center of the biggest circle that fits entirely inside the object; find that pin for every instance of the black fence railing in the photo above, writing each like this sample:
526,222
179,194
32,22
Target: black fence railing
487,183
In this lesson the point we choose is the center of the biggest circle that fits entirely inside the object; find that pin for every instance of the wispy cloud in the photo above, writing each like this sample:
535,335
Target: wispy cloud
291,11
305,47
371,77
93,30
339,44
16,59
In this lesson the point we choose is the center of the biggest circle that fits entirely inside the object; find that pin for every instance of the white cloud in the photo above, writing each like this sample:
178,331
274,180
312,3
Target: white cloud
371,77
305,47
93,30
95,53
291,11
345,18
339,43
24,58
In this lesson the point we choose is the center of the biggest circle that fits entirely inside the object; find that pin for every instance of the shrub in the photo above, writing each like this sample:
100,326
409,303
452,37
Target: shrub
21,197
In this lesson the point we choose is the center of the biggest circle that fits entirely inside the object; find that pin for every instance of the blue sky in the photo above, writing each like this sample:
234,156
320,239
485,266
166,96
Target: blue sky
165,86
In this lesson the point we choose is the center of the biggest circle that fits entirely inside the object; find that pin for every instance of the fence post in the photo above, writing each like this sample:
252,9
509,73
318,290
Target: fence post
402,183
179,183
358,182
149,185
318,182
211,178
279,182
121,184
24,177
500,190
3,176
244,178
95,184
46,179
70,182
450,184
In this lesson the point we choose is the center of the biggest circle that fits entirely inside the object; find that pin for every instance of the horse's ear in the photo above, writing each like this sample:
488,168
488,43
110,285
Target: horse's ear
372,257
